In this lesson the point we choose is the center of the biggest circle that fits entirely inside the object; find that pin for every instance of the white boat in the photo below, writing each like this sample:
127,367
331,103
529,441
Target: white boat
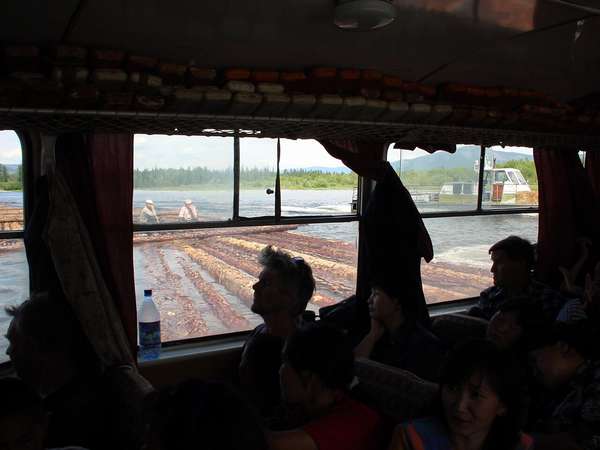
511,180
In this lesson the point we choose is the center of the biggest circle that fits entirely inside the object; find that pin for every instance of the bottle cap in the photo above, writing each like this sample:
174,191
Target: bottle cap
147,292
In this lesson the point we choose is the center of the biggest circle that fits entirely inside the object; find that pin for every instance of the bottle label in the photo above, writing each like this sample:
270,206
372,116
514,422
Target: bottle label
149,333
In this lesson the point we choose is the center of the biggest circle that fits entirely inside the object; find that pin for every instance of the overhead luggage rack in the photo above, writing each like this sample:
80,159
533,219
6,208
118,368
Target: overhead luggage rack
60,121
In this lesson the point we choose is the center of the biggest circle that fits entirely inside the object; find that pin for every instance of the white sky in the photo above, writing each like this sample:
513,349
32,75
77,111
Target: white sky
394,153
10,148
217,153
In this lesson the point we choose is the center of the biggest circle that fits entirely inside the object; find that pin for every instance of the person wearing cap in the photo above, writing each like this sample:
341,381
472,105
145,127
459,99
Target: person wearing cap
396,337
148,213
188,212
565,360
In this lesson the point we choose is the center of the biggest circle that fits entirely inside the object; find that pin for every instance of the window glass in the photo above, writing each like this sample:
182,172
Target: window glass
11,185
14,284
14,272
440,181
182,179
510,179
258,170
461,266
202,279
313,182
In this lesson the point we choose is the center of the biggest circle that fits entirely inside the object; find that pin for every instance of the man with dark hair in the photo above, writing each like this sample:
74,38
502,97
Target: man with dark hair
565,362
46,344
512,267
316,373
514,320
23,421
52,355
284,288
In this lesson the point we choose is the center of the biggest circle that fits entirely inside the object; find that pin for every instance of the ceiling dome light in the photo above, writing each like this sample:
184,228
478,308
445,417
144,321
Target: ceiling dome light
364,15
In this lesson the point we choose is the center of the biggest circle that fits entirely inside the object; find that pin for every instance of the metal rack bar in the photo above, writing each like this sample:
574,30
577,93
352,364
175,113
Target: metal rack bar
54,120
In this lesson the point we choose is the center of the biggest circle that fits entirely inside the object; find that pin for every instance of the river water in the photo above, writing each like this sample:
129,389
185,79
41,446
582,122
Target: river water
466,238
459,241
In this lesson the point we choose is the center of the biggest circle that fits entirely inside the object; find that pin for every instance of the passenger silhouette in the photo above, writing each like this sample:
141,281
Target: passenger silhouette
396,337
512,267
316,374
284,288
199,414
52,355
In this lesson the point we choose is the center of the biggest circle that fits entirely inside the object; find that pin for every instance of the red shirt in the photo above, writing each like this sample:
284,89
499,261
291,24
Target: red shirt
349,426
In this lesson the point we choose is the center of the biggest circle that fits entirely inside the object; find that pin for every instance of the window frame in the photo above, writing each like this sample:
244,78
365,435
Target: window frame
449,305
27,190
237,221
26,182
364,188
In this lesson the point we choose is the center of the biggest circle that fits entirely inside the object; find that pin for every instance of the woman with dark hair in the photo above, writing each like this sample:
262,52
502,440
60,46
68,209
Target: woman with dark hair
396,337
480,405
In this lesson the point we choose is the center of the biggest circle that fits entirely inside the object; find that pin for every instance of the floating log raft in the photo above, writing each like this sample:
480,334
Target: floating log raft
11,218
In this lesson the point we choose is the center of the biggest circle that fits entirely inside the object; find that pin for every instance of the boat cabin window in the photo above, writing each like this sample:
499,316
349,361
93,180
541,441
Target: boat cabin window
445,188
500,177
14,272
204,207
514,184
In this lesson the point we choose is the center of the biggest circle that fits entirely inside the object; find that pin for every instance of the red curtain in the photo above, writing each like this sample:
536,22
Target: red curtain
568,211
592,167
111,161
99,171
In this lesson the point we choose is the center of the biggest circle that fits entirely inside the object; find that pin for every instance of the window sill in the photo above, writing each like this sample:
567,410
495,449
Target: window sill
453,307
186,351
191,350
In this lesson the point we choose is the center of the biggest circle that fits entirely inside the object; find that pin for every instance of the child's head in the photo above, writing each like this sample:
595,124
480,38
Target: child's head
22,418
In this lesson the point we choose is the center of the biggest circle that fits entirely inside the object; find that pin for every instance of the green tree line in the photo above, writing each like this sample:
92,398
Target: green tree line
435,178
202,177
526,167
259,178
11,181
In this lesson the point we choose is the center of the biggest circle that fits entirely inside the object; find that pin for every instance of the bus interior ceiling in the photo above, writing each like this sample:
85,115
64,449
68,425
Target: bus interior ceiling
545,45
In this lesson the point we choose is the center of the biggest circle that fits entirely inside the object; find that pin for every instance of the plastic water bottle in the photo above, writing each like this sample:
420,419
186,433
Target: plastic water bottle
149,326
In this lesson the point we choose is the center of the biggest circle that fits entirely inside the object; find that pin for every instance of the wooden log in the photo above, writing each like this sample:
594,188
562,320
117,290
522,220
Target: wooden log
340,269
216,302
235,281
246,260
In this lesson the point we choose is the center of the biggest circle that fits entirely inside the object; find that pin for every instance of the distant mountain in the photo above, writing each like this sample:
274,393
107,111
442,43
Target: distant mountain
465,158
340,169
11,168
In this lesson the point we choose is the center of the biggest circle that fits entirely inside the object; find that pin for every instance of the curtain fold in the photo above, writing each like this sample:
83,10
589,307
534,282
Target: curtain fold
90,216
395,236
568,211
81,279
111,159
